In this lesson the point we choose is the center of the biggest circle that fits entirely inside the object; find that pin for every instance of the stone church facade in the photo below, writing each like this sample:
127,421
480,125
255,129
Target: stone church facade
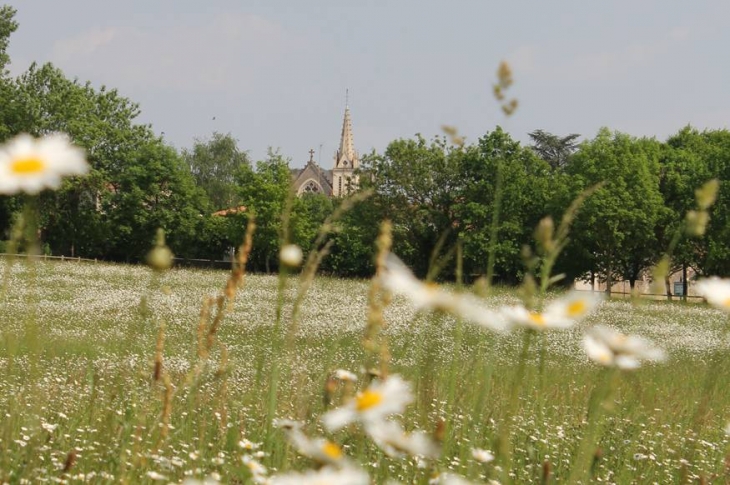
338,181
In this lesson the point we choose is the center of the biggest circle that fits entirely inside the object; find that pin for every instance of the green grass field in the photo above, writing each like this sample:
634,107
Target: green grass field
79,401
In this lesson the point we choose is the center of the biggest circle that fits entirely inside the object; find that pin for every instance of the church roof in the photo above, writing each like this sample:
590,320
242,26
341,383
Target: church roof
312,178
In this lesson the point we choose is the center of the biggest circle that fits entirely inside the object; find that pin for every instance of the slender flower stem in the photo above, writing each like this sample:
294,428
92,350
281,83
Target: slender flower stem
503,445
597,405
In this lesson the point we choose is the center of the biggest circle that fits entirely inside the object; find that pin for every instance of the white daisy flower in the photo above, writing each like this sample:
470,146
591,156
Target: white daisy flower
30,165
398,279
449,479
319,449
153,475
291,255
380,400
324,476
395,442
716,291
345,375
482,456
611,348
258,471
559,314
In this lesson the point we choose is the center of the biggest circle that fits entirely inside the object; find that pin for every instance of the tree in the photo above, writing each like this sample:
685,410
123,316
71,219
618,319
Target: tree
523,199
264,192
416,184
554,149
692,159
135,183
8,25
616,228
214,164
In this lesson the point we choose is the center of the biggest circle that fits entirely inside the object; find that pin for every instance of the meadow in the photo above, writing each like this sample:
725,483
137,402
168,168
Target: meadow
110,373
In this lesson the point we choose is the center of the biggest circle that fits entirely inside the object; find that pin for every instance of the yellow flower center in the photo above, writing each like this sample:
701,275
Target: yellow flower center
332,450
367,399
726,303
27,166
577,308
537,319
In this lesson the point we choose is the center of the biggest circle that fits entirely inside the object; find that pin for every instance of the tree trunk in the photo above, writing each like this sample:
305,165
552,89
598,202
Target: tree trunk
609,279
685,285
593,280
668,287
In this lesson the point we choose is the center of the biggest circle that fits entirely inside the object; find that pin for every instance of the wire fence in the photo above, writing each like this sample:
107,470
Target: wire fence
179,262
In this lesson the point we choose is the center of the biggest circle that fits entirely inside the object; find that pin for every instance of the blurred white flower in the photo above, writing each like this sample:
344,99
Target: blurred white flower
449,479
291,255
258,471
716,291
559,314
248,445
611,348
209,480
380,400
398,279
324,476
482,456
345,375
30,165
395,442
319,449
153,475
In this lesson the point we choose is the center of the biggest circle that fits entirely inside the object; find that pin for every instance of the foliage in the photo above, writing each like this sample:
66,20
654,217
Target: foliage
265,192
416,185
555,150
616,228
527,182
214,164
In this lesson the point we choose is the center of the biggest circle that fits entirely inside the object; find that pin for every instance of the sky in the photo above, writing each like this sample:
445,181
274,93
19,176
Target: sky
274,73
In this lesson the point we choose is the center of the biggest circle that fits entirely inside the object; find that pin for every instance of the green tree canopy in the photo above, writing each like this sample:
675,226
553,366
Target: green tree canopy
214,164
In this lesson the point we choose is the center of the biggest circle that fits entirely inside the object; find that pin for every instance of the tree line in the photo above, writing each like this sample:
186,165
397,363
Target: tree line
485,198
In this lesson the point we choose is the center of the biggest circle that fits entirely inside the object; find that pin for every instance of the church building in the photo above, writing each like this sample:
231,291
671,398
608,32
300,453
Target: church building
341,179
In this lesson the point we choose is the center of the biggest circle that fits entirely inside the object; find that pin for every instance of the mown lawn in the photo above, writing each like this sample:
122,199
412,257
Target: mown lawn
80,401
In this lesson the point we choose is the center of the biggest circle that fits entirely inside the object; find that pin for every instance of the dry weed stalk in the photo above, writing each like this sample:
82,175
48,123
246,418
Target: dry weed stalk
373,341
159,347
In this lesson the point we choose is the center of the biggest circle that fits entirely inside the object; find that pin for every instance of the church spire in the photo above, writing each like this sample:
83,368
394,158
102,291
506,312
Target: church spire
346,153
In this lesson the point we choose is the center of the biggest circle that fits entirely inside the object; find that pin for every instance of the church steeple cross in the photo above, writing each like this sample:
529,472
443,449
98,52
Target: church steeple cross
311,155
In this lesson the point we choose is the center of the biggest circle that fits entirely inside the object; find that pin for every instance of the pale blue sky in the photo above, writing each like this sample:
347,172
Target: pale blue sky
274,73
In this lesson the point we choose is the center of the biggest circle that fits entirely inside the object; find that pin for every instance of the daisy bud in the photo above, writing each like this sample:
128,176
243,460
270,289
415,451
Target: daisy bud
160,258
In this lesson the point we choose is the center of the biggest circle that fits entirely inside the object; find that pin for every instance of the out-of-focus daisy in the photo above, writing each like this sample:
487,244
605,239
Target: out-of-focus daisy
258,471
345,375
448,479
482,456
380,400
248,445
398,279
319,449
324,476
611,348
291,255
30,165
716,291
395,442
209,480
561,313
